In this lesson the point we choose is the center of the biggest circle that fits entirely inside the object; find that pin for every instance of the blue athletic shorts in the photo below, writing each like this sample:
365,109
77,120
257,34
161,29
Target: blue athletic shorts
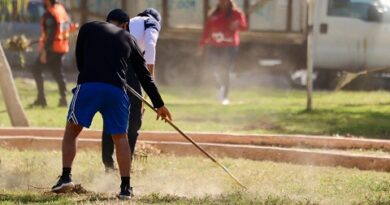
111,101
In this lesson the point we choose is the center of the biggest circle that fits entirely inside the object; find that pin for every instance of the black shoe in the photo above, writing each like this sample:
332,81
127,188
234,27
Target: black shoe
63,102
126,193
63,185
38,102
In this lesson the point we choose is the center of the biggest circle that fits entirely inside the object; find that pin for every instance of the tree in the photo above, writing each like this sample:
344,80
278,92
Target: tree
12,102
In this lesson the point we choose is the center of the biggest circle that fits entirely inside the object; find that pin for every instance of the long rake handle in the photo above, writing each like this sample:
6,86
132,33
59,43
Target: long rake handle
135,93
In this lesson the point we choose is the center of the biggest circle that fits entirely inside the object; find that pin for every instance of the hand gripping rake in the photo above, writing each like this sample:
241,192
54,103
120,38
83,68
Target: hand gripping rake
131,90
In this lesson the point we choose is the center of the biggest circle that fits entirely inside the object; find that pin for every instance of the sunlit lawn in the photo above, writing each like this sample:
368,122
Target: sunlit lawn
252,110
26,176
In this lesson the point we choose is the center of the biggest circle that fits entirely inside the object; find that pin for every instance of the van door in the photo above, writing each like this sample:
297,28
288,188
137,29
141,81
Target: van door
339,44
377,40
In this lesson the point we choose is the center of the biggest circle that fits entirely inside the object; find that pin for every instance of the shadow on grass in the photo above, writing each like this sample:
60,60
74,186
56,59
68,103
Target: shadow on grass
365,104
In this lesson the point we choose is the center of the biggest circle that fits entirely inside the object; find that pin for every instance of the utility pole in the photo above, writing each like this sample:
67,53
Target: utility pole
10,95
311,24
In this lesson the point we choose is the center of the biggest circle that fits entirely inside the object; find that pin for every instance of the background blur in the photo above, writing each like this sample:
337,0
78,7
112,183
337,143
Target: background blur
272,52
276,30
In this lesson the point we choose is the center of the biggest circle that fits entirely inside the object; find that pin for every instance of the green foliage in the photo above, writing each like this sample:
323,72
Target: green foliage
18,43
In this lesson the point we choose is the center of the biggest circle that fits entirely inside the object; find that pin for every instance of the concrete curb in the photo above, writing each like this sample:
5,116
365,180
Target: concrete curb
253,152
330,142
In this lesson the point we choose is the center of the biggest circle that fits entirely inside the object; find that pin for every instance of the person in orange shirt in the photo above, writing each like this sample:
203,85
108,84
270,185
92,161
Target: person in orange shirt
221,36
53,45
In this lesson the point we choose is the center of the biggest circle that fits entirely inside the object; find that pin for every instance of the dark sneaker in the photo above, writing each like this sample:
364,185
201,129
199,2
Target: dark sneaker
63,185
126,193
38,102
62,102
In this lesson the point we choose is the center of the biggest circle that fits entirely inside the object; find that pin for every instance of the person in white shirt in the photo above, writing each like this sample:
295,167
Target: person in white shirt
145,27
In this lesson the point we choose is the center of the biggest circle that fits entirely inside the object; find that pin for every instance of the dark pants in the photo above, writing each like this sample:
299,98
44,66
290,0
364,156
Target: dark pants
222,61
54,64
135,122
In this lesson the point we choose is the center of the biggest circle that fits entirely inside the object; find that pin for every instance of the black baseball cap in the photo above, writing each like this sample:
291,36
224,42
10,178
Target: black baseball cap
118,15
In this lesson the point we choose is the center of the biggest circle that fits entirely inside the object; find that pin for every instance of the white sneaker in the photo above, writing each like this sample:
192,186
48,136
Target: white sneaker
225,102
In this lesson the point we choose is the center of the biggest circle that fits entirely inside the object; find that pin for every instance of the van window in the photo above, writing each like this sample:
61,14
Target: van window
350,8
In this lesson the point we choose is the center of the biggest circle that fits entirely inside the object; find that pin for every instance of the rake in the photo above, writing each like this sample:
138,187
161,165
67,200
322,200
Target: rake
135,93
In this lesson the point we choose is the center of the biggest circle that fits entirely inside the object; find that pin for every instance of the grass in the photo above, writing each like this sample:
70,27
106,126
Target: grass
26,176
253,110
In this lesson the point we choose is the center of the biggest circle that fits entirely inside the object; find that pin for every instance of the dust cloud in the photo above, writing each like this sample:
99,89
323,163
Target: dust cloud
38,171
183,67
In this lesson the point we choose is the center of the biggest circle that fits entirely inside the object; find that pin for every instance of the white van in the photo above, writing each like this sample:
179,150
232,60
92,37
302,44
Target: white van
354,34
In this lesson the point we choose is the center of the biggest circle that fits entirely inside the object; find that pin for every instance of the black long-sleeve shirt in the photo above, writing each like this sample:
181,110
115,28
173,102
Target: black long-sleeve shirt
104,50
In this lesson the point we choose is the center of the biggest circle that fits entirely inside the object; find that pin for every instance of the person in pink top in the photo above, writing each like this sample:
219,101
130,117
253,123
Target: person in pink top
221,39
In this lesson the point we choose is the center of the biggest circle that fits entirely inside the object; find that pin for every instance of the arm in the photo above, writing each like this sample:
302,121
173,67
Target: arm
49,29
239,22
151,36
137,61
204,39
205,34
151,69
50,25
147,83
243,23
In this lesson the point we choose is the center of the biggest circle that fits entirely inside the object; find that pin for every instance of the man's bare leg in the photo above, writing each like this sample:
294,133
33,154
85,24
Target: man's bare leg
65,183
69,141
123,156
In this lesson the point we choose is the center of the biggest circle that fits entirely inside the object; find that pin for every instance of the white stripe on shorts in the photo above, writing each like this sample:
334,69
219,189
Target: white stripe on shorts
72,115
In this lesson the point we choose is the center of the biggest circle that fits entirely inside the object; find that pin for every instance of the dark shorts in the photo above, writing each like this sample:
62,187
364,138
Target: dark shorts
111,101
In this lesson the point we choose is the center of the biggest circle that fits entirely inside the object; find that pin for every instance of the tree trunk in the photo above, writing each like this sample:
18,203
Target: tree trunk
10,95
